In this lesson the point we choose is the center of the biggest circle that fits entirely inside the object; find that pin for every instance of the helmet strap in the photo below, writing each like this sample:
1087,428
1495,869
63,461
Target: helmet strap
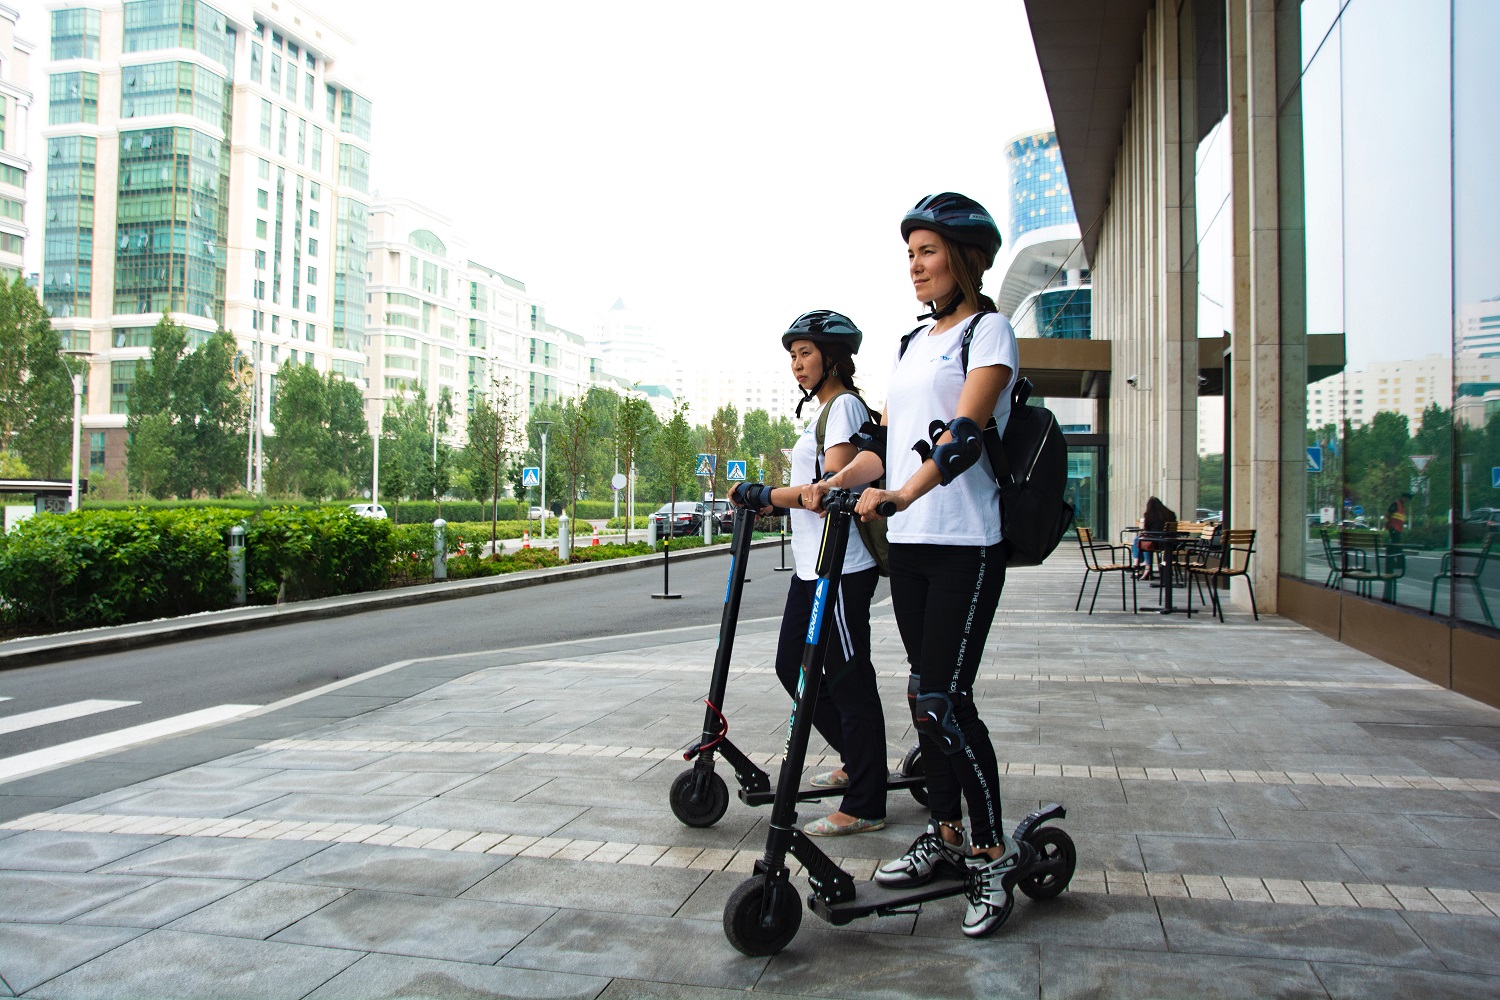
811,394
934,313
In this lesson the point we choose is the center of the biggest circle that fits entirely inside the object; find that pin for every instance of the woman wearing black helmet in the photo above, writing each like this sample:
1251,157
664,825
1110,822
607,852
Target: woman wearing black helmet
822,345
947,562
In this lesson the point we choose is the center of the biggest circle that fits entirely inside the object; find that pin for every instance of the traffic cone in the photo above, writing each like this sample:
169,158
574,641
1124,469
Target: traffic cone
596,535
525,539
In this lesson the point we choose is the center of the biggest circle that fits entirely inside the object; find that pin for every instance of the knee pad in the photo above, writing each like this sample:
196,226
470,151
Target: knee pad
934,715
954,457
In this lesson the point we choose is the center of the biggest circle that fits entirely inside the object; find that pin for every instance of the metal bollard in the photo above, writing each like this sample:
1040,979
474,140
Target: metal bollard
440,549
237,565
651,533
708,525
562,538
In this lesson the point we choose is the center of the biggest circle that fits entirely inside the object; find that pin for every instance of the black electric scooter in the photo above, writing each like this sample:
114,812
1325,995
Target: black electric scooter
763,913
698,795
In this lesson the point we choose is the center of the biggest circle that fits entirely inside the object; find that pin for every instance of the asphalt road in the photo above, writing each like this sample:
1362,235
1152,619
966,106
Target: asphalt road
263,666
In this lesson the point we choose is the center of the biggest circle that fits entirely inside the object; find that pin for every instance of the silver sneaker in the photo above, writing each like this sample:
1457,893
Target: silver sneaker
991,886
922,861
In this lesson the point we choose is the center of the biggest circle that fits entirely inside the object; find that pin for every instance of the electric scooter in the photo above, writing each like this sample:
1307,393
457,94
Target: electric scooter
763,913
699,796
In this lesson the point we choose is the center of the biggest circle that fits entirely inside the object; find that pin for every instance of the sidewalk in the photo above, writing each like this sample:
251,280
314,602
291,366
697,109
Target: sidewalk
1259,811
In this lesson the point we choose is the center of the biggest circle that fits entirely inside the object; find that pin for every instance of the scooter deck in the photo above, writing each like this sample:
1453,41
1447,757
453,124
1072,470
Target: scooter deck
765,797
872,897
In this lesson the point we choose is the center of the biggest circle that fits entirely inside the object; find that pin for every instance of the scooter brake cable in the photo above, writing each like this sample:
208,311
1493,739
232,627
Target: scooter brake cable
718,738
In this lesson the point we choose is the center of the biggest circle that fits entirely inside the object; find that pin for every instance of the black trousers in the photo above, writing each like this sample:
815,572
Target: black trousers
944,598
848,713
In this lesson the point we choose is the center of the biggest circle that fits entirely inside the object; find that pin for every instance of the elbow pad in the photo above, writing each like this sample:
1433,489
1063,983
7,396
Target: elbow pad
953,457
870,437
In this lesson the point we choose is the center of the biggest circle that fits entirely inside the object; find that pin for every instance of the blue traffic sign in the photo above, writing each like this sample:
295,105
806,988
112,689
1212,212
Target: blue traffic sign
531,476
1315,458
736,470
1358,510
707,464
1495,477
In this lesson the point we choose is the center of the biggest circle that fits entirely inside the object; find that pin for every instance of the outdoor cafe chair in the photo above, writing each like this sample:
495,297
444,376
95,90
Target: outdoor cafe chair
1230,560
1093,563
1332,554
1365,560
1446,571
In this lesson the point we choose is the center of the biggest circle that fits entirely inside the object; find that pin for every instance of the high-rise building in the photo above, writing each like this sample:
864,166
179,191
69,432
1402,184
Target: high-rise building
625,344
209,161
1044,289
1478,333
15,120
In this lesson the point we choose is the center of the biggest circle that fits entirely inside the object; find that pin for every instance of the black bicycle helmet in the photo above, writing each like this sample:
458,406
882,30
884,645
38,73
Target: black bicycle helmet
823,326
961,219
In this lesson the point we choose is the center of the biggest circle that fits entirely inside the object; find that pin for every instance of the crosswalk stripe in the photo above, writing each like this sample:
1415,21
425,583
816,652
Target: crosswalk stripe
59,713
66,753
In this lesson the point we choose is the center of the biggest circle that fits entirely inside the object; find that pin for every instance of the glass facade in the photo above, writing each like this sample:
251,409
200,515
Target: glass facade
354,168
151,25
171,223
1039,194
69,243
350,233
72,97
1390,233
75,33
173,88
1057,313
354,115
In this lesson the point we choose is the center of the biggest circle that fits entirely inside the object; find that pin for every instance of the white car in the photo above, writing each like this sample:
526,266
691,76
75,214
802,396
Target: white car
536,514
368,510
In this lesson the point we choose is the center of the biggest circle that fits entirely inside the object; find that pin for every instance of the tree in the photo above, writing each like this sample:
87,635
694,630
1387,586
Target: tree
154,444
721,441
213,410
36,388
634,426
573,431
759,440
494,433
435,474
405,444
321,443
674,450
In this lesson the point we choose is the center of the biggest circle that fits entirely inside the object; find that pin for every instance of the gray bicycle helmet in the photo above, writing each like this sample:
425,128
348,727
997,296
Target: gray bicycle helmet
823,326
955,216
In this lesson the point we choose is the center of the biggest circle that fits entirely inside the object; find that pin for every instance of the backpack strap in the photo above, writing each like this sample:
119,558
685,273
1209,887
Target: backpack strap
963,350
821,430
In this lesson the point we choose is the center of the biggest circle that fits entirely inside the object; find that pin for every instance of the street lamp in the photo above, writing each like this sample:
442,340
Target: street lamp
254,471
375,465
543,425
77,415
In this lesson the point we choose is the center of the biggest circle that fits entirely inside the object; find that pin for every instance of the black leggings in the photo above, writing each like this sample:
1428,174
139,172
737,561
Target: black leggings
848,714
944,598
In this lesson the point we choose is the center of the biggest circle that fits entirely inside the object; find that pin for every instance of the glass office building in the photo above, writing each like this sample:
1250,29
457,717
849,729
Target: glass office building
1039,193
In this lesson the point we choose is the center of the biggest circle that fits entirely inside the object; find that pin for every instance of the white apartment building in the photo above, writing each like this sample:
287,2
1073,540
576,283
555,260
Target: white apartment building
209,161
1478,331
708,388
15,123
438,319
624,342
1405,387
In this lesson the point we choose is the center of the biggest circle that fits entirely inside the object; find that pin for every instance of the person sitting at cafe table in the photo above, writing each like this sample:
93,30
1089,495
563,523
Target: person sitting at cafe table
1156,518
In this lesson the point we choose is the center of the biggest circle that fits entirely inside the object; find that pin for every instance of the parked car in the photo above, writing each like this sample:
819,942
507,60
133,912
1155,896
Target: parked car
1489,517
536,514
368,510
723,517
685,518
1206,515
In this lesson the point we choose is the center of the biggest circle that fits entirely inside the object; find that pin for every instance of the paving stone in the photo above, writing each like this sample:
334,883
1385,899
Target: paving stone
645,825
827,962
1251,859
61,851
393,869
325,782
208,776
191,802
1324,827
1471,870
160,902
426,784
31,954
52,897
1360,982
1271,930
471,763
258,910
394,977
1461,834
1075,973
217,858
460,930
587,885
1463,943
662,949
172,964
635,989
536,819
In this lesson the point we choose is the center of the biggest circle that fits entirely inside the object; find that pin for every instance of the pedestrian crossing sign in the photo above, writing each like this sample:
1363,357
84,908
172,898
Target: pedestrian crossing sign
706,465
737,470
531,476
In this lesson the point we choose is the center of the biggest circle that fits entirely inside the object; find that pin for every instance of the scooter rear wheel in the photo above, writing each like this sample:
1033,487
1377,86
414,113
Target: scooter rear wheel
699,810
1052,845
755,932
911,767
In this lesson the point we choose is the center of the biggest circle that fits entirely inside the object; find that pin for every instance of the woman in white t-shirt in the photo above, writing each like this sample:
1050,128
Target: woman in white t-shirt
947,561
822,345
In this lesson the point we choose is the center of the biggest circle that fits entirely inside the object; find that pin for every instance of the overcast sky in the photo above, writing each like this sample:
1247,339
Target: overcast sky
720,167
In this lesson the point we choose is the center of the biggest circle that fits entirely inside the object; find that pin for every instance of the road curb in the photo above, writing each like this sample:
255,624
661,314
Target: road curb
114,639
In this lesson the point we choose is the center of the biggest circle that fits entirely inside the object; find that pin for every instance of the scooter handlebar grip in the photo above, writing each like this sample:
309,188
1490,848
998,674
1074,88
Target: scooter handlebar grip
886,508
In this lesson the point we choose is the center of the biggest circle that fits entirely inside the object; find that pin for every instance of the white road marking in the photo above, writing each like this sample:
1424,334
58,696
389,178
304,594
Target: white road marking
67,753
59,713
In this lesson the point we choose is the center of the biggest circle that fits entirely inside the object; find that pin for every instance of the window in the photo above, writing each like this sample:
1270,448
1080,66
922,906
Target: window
314,189
265,129
312,276
260,260
291,80
315,155
312,247
355,114
281,135
307,91
73,97
96,447
312,303
121,382
296,333
333,103
311,331
312,219
262,198
275,78
255,61
173,87
354,168
260,229
301,139
75,34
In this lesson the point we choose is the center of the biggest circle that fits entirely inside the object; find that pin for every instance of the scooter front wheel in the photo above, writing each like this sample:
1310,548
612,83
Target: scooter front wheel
1055,849
911,767
756,929
698,804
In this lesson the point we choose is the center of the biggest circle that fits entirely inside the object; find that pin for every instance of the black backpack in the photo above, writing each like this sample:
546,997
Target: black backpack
1030,463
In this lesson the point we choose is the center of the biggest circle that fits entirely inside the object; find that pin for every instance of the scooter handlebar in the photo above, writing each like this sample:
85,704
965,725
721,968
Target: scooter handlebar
844,501
886,508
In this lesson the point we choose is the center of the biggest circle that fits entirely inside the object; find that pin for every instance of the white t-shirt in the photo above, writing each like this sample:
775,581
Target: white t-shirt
925,386
844,419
